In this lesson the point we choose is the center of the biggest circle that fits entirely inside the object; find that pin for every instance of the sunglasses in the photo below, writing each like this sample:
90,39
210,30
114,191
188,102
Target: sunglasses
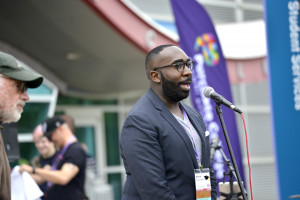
20,85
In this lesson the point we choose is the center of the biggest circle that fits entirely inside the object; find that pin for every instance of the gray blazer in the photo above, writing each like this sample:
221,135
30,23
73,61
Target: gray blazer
158,155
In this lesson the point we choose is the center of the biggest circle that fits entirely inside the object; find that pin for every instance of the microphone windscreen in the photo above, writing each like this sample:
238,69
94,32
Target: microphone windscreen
207,91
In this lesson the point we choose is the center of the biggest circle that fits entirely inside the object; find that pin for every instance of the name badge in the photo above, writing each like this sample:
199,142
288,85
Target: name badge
202,183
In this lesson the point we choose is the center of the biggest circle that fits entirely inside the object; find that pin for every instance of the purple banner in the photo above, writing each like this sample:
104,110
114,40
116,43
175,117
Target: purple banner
199,40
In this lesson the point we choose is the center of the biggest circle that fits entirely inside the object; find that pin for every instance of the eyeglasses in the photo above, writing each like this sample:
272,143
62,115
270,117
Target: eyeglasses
179,66
20,85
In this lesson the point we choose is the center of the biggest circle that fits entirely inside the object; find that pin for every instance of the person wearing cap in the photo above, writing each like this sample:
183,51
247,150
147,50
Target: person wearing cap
14,81
67,174
47,153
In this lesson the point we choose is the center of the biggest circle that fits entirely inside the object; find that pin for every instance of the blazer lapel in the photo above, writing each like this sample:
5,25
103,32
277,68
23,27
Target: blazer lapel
165,112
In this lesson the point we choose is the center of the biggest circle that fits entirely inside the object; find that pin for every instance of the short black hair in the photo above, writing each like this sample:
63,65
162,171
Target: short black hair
153,52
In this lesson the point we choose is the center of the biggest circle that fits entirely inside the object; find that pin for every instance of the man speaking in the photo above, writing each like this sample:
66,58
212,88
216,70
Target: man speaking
164,143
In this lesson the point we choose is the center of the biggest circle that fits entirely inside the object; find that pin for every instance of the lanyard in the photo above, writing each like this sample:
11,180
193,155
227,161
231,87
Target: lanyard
193,135
61,153
59,156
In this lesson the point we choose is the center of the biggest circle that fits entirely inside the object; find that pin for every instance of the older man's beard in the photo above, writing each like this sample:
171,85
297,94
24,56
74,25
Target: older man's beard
9,113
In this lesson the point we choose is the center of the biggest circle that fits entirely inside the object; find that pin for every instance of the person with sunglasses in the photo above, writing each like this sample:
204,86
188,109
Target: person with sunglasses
14,81
164,143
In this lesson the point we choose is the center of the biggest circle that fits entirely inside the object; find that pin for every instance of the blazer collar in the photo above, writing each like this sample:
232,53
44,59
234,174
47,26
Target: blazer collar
165,112
156,101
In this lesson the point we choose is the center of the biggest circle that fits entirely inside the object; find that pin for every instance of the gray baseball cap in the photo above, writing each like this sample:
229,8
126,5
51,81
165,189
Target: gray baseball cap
12,68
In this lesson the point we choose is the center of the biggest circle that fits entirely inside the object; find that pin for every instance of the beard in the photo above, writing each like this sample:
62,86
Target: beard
172,90
9,113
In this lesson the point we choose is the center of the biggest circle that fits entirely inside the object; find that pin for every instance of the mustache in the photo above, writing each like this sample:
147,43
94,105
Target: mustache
189,80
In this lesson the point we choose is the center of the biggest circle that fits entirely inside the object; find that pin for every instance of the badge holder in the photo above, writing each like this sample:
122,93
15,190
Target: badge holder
202,182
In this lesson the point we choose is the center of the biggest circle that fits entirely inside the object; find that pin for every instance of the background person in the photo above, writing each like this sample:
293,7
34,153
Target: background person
14,81
66,179
47,153
163,140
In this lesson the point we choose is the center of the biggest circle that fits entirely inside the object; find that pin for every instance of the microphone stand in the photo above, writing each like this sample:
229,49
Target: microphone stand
234,171
231,173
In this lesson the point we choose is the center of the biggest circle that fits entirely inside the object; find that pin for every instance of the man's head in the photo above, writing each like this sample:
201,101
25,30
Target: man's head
14,81
169,70
42,143
57,131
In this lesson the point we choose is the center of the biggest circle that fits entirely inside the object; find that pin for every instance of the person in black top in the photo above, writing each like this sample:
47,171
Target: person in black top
66,178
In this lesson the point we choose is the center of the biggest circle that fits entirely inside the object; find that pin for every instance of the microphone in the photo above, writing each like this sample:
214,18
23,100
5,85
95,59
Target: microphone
209,92
213,147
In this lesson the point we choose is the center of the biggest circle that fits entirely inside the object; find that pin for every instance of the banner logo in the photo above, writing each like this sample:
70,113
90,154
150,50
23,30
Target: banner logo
208,44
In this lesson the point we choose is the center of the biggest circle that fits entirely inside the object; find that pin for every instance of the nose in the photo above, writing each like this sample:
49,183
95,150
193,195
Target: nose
187,71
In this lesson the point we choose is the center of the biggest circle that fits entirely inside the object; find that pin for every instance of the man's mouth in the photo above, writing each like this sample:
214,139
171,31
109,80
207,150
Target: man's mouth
185,85
20,107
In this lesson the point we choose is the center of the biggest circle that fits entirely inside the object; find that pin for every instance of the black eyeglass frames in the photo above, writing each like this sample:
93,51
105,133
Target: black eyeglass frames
179,66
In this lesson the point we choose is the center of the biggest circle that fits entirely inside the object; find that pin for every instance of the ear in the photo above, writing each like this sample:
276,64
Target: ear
60,129
155,76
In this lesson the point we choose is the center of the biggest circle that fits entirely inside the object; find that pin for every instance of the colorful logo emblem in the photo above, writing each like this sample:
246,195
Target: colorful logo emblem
208,44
